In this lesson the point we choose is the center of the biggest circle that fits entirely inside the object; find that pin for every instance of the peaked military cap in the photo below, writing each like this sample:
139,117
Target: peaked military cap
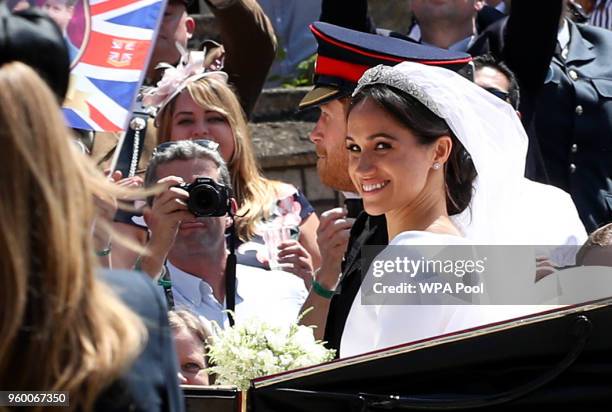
343,56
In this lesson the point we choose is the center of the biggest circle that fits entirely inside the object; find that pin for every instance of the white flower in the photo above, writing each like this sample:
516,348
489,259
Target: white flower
255,348
304,336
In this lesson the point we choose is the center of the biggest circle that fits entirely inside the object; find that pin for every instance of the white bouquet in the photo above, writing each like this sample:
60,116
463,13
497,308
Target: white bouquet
255,348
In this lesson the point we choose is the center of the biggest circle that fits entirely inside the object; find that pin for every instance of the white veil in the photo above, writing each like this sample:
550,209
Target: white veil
490,131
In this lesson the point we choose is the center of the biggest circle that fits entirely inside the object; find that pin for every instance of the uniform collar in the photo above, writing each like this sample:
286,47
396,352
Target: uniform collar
579,48
463,45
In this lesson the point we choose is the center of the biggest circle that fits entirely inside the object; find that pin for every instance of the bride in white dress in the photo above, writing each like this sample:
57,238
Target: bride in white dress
443,159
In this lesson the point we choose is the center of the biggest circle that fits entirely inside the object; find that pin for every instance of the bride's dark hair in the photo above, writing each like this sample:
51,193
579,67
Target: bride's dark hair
427,127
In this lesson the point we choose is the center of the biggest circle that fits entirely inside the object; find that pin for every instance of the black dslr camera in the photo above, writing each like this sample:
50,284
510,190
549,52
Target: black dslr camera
208,198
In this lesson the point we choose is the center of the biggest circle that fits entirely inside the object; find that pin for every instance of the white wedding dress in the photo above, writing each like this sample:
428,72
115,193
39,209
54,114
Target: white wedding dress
505,209
373,327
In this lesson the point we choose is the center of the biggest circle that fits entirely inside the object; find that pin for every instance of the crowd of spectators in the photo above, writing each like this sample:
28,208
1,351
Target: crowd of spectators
59,210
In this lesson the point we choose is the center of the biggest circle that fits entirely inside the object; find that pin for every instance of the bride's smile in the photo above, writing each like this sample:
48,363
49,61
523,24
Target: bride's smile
390,166
368,188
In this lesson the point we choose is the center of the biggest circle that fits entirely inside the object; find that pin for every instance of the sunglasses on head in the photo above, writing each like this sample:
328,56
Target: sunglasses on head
496,92
205,143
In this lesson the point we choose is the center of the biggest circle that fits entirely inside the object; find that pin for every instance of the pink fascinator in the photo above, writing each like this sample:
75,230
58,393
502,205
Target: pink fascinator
190,68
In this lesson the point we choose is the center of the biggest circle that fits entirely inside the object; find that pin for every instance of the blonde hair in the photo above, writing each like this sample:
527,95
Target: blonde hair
185,320
62,329
255,194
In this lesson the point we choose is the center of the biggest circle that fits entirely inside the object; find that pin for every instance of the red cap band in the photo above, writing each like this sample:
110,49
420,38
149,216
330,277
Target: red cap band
326,66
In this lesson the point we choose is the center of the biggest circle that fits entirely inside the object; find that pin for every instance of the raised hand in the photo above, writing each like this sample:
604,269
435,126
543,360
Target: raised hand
332,237
294,258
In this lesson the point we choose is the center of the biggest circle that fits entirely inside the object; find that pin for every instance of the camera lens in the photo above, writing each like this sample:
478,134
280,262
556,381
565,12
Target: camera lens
203,200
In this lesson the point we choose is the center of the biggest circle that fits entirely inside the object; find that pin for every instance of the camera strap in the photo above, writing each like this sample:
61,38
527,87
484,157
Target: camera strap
166,283
230,275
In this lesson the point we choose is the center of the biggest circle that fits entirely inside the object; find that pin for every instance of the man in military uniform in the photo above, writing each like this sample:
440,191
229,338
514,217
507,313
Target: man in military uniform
574,120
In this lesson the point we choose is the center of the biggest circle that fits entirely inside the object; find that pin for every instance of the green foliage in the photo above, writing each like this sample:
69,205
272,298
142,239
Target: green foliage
304,74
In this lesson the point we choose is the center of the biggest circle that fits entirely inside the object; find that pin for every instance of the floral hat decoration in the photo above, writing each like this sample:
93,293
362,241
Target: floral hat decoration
191,67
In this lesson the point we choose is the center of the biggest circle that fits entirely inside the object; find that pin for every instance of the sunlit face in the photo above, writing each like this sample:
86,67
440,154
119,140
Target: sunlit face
430,11
387,165
192,121
195,233
491,78
190,352
176,27
328,136
60,12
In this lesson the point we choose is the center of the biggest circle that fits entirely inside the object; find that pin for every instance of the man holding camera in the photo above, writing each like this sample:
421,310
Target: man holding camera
187,221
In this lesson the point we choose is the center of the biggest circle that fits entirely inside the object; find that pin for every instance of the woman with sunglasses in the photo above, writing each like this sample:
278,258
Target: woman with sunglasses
194,104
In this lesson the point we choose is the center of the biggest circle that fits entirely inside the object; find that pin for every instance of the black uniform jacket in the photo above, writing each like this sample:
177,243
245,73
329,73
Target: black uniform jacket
573,122
366,231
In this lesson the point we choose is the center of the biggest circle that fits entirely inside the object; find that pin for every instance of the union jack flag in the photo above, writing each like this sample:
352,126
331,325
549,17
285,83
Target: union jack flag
111,64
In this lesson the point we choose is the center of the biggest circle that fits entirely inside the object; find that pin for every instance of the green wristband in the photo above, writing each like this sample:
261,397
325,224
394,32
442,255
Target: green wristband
322,291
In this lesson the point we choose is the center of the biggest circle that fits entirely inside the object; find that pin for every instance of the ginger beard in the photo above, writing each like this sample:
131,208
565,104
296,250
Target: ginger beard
332,167
328,136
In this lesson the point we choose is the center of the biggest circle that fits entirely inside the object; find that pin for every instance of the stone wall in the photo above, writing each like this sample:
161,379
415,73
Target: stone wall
282,146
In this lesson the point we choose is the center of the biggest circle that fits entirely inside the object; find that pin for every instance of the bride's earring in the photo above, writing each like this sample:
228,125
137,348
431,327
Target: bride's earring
436,166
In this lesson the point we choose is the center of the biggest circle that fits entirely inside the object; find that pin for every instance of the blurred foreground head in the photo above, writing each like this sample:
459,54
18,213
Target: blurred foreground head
61,328
31,37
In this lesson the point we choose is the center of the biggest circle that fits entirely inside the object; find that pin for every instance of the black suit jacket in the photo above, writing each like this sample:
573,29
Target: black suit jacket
525,41
574,123
151,382
366,231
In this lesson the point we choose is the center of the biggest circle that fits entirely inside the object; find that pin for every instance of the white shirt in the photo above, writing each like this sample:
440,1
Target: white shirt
273,296
563,38
501,7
